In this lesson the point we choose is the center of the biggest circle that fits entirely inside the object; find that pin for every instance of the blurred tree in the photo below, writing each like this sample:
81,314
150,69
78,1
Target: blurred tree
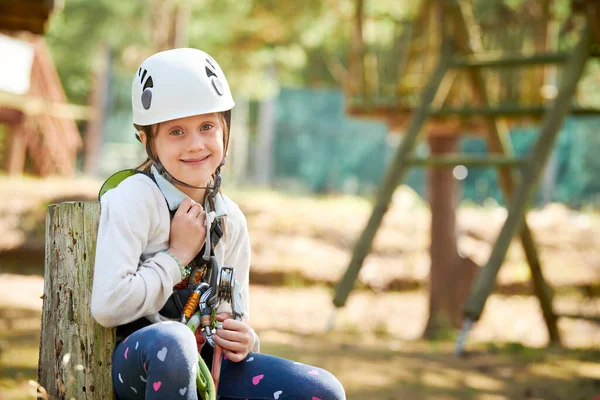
307,42
77,32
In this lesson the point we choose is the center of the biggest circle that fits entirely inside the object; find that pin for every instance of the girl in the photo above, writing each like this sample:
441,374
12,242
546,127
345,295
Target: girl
152,228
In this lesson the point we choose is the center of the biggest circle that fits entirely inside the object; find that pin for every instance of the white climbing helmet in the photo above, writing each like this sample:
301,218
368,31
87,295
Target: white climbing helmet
178,83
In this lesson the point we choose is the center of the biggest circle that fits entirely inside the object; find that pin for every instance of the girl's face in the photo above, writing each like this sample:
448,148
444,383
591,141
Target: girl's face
190,148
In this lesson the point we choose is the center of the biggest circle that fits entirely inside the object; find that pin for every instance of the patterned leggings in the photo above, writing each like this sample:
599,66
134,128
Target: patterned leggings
160,361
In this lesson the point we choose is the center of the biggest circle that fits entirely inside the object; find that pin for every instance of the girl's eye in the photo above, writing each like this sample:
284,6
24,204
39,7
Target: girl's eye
206,127
176,132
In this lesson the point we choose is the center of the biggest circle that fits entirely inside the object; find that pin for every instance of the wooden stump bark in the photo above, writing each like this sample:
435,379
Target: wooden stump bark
75,351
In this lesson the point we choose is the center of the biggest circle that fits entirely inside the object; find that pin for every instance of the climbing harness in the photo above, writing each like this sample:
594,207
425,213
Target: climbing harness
197,297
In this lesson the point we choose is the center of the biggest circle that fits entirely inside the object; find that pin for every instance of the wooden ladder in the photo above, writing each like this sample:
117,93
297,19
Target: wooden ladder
498,142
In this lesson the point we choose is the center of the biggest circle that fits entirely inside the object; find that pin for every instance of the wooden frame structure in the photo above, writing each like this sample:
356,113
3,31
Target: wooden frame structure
469,46
40,122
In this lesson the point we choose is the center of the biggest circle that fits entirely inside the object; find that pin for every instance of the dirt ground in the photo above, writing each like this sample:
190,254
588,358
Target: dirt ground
302,245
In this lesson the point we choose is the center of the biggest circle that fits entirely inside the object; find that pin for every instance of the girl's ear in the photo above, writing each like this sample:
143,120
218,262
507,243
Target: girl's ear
143,138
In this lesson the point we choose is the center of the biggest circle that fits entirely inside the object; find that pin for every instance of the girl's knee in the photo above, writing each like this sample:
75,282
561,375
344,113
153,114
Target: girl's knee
332,386
170,332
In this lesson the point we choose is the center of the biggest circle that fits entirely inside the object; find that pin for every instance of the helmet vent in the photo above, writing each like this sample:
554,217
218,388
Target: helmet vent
212,75
210,72
211,62
143,76
149,83
147,91
147,98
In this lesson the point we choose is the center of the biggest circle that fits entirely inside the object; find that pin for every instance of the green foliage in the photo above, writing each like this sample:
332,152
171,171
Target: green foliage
76,33
246,37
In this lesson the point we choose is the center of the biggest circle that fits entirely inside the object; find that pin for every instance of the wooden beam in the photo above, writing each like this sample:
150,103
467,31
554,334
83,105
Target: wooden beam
499,61
466,160
16,151
499,142
393,176
33,106
551,124
399,116
30,24
509,110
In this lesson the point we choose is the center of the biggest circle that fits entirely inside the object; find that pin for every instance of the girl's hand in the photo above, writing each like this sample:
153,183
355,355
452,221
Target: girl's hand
188,231
235,338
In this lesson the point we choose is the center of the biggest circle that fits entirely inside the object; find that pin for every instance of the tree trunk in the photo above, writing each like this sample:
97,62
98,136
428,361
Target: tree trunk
99,102
75,352
450,275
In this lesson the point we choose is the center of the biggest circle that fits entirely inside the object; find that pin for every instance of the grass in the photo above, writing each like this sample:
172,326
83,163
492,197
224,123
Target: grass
365,351
372,366
19,349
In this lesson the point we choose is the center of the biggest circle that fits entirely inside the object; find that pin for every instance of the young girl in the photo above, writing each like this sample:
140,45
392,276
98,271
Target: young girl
153,228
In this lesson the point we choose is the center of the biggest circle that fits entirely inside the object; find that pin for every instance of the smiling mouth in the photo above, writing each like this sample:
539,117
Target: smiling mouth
195,161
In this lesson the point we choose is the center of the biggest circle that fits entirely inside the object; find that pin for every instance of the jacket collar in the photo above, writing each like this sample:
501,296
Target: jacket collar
175,196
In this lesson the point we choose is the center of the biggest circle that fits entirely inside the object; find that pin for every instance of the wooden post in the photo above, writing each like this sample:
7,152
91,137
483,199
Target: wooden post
235,171
75,352
17,148
266,136
393,176
450,275
525,191
99,102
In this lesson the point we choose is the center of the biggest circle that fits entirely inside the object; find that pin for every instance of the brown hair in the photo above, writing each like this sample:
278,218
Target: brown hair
152,130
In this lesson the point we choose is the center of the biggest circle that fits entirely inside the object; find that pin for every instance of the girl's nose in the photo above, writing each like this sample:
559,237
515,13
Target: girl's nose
197,141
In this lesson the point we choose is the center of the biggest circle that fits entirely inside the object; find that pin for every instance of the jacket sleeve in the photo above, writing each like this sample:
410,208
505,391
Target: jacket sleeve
237,255
125,288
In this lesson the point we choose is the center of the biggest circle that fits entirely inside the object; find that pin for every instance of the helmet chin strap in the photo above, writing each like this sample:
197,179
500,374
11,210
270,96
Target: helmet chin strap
213,190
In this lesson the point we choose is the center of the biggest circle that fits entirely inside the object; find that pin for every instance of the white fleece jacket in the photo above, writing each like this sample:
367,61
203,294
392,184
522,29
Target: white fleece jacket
133,278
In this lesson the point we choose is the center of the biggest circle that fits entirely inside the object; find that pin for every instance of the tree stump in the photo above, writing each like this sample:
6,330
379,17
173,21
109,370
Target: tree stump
75,351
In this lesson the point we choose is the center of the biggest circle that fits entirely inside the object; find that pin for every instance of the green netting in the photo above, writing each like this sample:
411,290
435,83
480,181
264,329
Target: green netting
326,151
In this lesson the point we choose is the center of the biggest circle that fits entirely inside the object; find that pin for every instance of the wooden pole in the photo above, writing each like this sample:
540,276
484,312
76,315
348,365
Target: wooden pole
17,148
525,191
75,352
592,9
236,168
450,275
393,177
98,102
499,142
264,164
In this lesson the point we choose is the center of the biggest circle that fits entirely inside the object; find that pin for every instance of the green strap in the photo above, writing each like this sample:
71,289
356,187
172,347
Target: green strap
204,381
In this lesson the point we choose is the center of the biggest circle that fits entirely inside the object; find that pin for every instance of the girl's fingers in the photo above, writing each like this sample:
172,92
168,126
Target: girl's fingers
233,356
229,345
195,210
233,336
184,207
222,316
235,325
